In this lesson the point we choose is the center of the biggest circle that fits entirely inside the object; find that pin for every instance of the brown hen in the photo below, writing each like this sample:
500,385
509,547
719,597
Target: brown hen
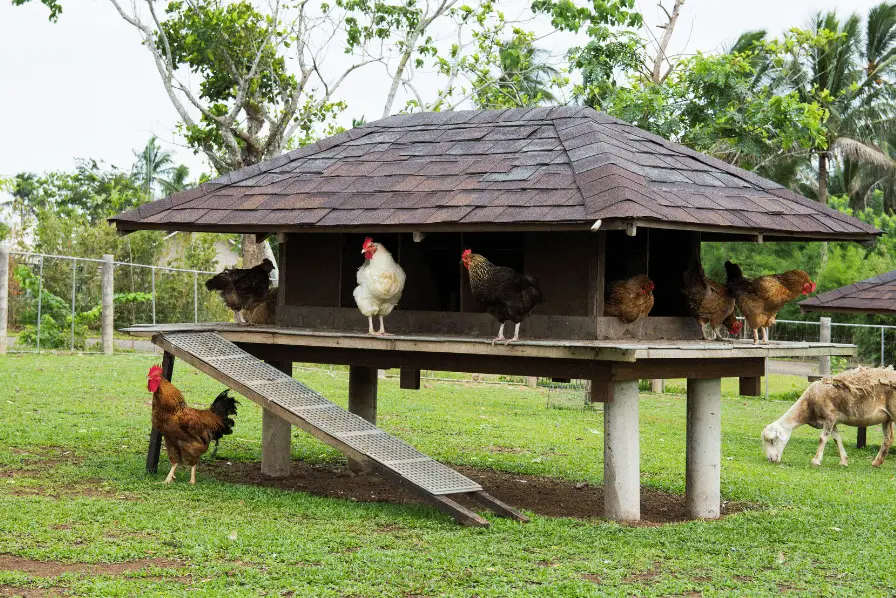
630,300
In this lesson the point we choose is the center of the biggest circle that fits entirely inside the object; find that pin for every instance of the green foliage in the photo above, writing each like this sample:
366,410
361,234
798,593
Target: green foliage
53,5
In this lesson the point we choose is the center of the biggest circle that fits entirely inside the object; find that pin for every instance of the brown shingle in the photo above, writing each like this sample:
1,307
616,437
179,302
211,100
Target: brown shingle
564,164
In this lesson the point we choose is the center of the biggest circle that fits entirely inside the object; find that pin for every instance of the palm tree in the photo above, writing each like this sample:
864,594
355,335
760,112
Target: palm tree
524,77
176,180
153,166
847,75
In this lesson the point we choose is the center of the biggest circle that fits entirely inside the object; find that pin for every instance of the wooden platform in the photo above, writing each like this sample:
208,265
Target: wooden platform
613,367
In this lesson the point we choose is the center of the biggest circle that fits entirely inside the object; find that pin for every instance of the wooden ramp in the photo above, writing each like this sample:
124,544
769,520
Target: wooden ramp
354,436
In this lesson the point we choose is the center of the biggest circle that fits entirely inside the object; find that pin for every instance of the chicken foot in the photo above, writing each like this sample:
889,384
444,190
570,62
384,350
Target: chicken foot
170,477
516,335
192,474
381,331
500,336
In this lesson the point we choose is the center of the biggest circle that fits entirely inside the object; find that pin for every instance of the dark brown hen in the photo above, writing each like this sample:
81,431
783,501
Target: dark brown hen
507,294
242,288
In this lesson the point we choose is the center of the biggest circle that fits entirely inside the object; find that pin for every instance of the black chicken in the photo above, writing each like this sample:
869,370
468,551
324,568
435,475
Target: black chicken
507,294
242,288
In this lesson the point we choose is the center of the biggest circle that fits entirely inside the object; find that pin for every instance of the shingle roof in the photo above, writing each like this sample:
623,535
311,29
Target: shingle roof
875,295
566,166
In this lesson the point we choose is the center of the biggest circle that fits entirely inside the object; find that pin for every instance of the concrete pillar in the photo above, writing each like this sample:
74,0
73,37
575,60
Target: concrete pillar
622,454
362,386
657,385
108,291
276,437
532,381
824,336
4,294
704,448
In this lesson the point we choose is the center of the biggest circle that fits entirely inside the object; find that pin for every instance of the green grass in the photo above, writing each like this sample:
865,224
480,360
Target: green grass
818,531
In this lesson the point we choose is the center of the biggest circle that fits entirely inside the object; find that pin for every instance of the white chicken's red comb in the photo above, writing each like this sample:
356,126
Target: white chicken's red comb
367,241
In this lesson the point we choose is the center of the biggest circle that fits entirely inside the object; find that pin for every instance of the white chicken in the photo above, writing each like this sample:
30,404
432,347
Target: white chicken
380,283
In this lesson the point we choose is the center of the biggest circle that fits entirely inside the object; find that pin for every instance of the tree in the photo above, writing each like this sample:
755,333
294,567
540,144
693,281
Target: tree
53,5
176,180
512,74
153,166
847,71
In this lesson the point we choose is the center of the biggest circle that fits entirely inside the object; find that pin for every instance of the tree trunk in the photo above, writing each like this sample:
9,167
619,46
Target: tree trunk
823,178
253,253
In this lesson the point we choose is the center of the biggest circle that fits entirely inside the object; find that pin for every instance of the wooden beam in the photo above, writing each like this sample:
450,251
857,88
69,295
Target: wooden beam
601,391
751,386
155,437
410,379
276,436
597,273
362,388
261,237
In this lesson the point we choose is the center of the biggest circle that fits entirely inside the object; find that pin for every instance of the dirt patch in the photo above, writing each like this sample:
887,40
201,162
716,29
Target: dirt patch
55,568
544,496
645,576
592,578
27,592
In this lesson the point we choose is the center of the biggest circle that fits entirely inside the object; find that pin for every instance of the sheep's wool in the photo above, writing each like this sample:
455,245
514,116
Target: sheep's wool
863,380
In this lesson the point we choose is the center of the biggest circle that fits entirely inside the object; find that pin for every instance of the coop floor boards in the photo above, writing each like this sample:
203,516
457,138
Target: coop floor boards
617,351
356,437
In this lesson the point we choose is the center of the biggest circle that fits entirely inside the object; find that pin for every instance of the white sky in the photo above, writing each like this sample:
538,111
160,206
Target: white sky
85,87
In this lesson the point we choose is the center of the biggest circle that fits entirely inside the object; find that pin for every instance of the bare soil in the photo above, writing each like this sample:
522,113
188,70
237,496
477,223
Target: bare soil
543,496
55,568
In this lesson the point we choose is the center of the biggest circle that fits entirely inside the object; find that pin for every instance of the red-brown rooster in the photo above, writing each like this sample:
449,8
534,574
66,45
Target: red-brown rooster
507,294
242,288
709,302
760,298
631,299
187,431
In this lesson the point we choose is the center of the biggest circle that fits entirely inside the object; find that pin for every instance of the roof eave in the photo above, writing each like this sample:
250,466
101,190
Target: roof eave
815,308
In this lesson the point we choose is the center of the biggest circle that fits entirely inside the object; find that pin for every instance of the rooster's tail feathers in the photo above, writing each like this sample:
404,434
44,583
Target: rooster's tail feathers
733,272
224,406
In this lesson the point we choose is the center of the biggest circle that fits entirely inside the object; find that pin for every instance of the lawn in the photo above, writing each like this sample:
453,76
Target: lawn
80,517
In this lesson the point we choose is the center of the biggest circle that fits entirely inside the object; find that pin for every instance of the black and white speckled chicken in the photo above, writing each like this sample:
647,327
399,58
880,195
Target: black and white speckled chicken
507,294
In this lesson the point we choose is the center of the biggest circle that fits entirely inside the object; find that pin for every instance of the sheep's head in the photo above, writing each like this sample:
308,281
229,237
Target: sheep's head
774,439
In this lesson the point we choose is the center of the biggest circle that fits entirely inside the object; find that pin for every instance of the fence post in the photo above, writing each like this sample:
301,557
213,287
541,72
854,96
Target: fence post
108,283
153,271
40,298
195,298
882,357
4,294
824,336
74,281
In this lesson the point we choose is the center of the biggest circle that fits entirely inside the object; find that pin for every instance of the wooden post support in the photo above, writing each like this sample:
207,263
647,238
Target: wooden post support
155,437
622,454
751,386
824,336
362,385
108,292
704,448
861,437
410,379
4,294
532,381
276,436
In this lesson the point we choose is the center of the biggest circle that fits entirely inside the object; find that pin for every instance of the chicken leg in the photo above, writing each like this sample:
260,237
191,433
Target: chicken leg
755,336
516,335
500,336
765,335
192,474
170,477
382,330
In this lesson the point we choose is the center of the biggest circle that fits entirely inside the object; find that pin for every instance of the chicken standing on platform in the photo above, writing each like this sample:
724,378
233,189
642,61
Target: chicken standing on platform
187,431
760,298
380,283
709,302
631,299
507,294
242,288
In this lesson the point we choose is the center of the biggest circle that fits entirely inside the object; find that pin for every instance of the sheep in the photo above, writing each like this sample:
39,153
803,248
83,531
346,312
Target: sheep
859,397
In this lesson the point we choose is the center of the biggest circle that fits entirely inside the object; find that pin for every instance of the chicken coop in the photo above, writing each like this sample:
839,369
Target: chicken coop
569,195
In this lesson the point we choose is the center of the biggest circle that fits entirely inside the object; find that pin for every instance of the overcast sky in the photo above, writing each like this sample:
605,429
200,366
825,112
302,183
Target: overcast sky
85,87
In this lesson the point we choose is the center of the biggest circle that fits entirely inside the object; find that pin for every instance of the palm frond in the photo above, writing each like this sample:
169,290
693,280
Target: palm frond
864,153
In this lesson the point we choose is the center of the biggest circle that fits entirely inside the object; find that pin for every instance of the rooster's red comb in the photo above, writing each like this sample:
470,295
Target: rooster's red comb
367,241
466,252
155,370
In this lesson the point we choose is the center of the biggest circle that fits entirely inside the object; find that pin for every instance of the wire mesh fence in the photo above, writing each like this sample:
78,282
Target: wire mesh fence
55,301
